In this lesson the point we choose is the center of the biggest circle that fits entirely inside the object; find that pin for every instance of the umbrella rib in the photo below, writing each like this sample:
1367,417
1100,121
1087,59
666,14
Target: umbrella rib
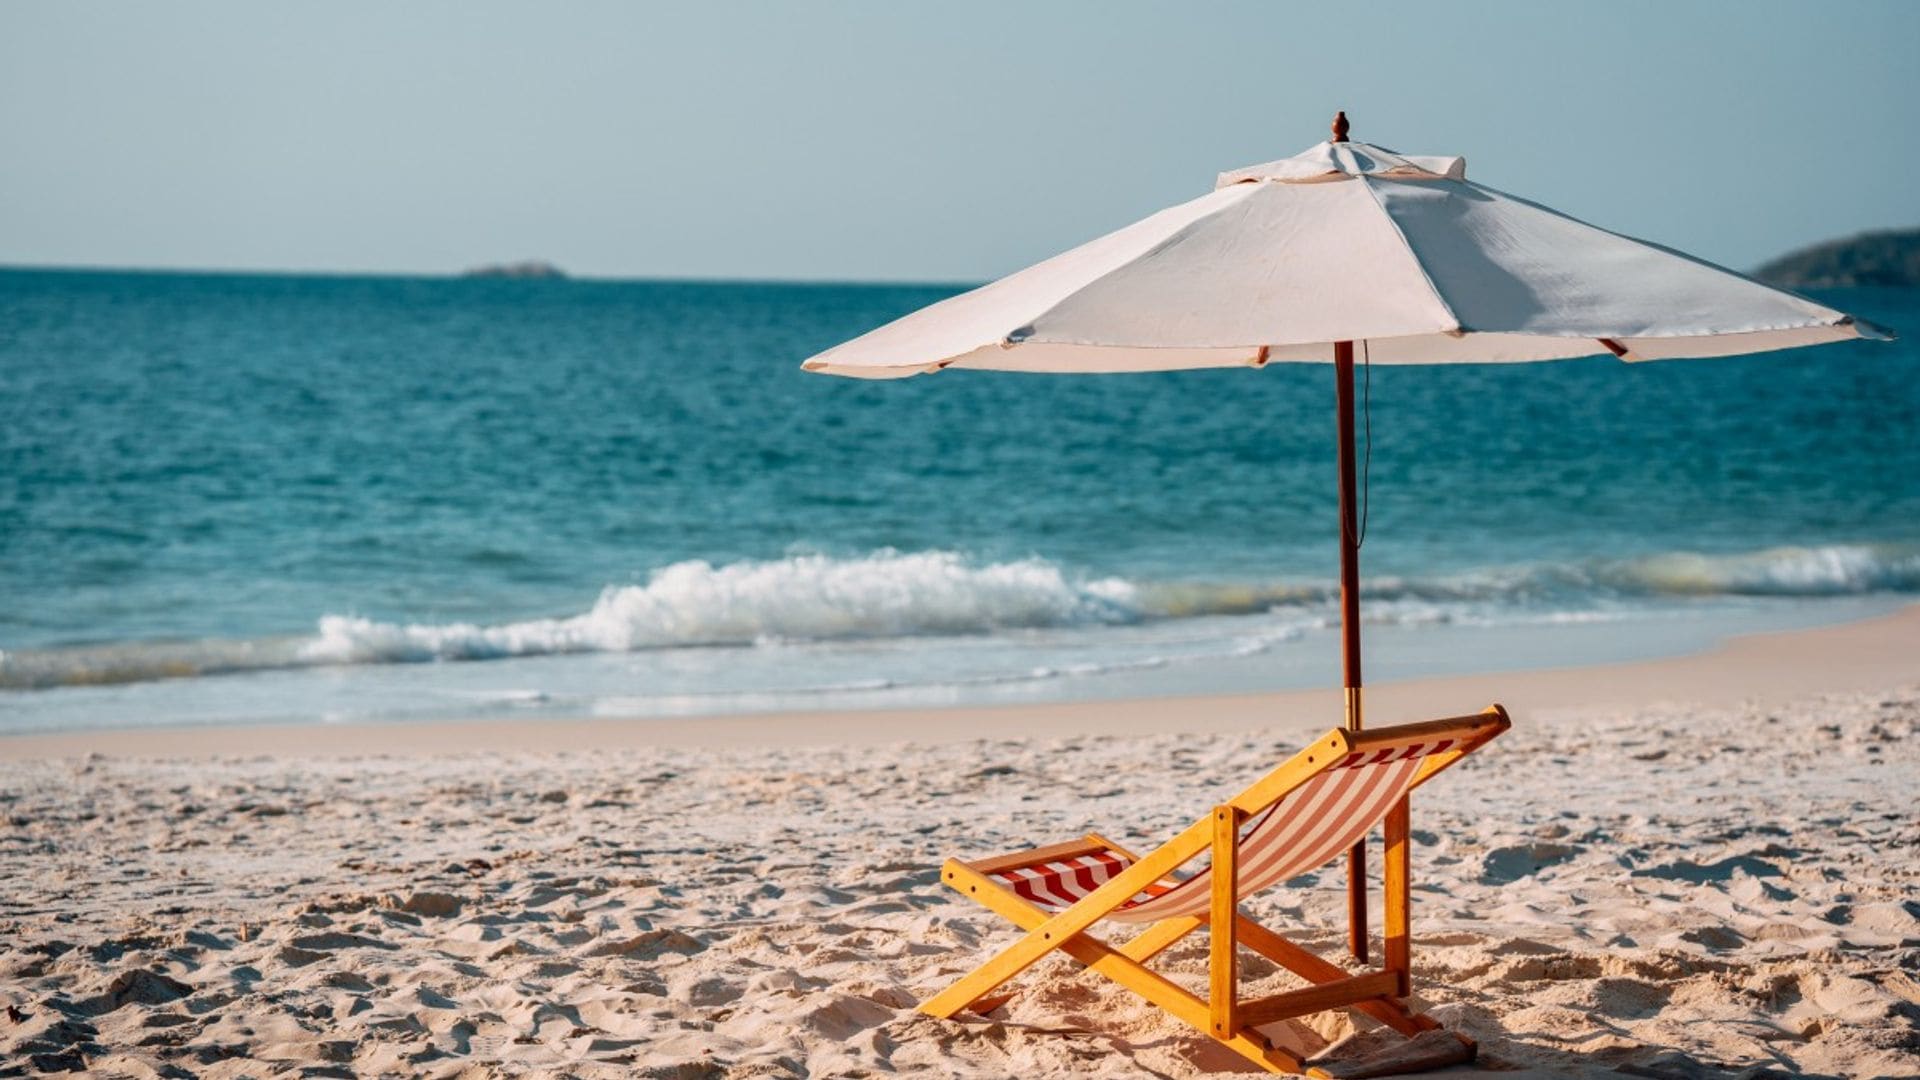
1453,318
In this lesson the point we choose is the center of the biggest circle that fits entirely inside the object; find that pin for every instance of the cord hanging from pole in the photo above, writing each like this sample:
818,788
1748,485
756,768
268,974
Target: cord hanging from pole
1366,468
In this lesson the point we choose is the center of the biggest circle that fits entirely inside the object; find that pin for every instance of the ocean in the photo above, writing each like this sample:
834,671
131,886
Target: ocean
235,499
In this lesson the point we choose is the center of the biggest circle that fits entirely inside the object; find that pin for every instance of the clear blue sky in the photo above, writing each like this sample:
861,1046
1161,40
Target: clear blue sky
894,140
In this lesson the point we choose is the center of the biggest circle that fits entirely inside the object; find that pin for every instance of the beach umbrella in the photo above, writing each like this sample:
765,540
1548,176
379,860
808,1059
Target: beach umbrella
1299,259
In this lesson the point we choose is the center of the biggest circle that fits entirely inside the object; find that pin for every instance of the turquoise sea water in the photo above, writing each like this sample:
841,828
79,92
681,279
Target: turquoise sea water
230,498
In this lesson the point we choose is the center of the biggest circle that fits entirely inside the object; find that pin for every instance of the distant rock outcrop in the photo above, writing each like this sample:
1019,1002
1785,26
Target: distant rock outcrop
527,268
1889,257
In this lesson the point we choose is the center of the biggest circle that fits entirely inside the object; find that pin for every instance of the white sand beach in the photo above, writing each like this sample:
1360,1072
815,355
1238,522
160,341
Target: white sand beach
1699,867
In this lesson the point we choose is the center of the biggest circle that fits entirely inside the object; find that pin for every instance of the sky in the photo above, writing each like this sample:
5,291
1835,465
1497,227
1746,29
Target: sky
903,141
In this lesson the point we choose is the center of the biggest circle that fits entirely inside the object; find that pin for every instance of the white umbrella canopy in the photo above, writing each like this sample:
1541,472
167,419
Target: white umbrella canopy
1346,242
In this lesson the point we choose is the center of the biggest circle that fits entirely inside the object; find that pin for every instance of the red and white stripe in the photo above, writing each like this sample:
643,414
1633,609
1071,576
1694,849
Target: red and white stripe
1392,753
1301,832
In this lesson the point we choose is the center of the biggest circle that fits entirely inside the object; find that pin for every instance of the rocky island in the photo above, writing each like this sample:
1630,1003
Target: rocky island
1884,257
526,268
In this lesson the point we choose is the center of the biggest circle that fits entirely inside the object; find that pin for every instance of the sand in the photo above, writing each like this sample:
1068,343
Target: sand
1704,867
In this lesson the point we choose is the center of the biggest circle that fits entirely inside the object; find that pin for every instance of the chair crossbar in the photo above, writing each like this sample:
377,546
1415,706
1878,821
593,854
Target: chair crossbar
1318,997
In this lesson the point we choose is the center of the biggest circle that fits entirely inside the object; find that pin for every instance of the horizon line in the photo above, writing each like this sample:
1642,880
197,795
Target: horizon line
716,279
565,276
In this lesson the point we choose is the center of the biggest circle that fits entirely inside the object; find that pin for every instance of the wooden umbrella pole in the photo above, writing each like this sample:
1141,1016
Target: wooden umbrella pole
1350,605
1350,627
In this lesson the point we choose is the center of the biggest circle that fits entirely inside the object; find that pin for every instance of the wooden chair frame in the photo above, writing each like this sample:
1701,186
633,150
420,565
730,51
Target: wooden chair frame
1222,1014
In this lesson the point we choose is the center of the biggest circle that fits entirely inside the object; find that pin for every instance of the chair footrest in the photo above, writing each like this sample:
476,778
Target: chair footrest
1313,999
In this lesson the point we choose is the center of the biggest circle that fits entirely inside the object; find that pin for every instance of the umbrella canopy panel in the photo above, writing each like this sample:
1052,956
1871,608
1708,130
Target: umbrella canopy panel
1345,242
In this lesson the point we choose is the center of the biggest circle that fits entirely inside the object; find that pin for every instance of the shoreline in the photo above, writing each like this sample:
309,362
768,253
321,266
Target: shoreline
1863,655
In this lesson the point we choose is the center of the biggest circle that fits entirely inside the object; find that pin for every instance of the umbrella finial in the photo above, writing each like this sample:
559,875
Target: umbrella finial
1339,127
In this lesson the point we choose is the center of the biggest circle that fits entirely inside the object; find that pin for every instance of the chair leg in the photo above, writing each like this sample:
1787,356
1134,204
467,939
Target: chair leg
1399,897
1223,973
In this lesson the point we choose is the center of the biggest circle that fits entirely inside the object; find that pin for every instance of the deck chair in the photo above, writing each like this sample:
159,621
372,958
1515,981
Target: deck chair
1292,820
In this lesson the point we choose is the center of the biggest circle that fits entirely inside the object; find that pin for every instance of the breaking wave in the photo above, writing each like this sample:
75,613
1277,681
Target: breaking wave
1833,570
890,594
802,598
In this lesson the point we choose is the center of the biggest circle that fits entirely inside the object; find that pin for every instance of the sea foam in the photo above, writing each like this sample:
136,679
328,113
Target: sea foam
886,594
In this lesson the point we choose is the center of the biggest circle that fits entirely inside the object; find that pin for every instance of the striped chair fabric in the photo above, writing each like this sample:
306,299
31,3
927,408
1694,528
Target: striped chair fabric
1300,832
